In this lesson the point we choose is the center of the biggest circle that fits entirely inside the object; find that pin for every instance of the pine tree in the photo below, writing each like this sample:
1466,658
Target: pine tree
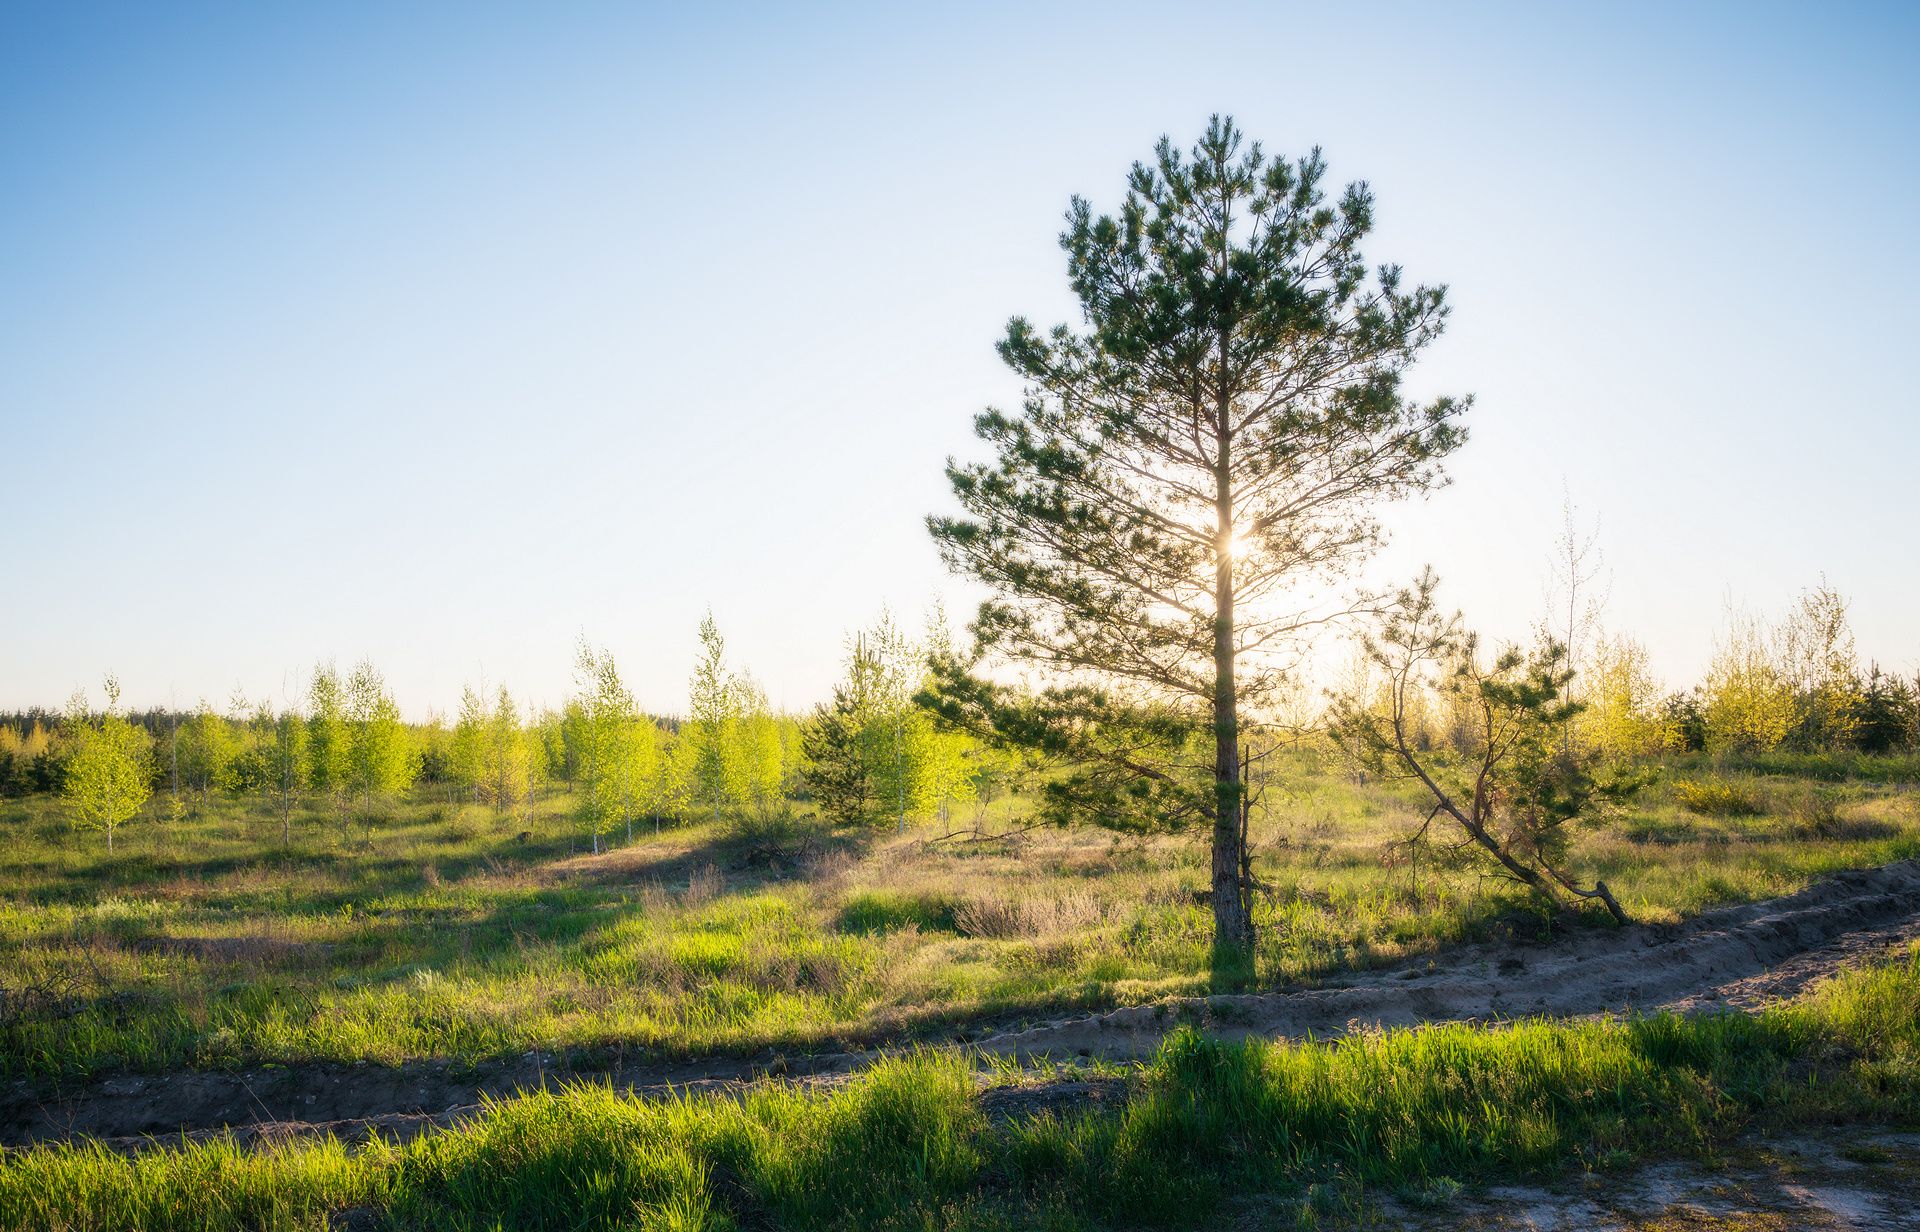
874,751
834,773
1888,713
1517,787
1683,723
1181,470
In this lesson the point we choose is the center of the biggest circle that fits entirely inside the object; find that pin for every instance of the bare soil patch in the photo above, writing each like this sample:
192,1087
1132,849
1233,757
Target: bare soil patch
1736,956
1829,1181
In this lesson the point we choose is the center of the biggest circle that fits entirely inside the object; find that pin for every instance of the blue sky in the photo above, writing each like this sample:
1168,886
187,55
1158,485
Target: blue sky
443,334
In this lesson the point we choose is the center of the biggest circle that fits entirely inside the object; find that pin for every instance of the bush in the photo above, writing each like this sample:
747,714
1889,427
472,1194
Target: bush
1815,809
774,837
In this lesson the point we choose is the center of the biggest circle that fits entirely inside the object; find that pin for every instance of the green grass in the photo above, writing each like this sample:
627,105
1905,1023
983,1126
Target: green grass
906,1146
210,943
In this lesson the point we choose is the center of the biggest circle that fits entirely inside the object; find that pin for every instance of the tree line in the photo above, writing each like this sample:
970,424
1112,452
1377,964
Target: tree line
871,755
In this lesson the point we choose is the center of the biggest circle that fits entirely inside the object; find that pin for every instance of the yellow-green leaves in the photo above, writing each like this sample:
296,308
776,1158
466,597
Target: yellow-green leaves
107,771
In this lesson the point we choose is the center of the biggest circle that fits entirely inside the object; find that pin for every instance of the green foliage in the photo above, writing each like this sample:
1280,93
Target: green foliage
230,939
612,745
26,758
208,747
1622,718
491,754
379,760
709,739
1218,435
1817,660
466,752
1747,701
1685,722
876,752
1518,785
833,771
107,771
1889,714
885,911
731,754
327,735
761,751
287,764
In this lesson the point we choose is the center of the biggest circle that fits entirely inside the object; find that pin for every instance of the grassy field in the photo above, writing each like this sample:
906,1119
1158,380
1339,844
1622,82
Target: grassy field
1206,1131
211,943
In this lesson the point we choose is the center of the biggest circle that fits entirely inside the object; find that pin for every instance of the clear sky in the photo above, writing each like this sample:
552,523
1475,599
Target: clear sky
444,334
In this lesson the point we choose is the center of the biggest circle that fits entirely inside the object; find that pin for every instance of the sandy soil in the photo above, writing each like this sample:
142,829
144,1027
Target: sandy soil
1832,1181
1739,956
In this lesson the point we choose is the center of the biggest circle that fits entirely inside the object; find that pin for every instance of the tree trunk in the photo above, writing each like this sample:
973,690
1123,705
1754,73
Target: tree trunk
1232,923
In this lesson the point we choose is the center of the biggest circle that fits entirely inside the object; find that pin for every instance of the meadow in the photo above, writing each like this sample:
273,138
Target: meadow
1255,1135
446,932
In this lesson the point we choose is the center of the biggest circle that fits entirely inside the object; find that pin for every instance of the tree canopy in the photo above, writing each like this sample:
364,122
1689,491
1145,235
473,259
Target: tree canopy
1163,519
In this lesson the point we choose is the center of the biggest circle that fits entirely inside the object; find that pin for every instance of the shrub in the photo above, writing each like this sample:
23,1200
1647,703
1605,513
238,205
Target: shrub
1815,809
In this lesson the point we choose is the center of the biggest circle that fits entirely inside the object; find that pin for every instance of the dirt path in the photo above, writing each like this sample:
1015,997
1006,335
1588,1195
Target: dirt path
1734,956
1738,956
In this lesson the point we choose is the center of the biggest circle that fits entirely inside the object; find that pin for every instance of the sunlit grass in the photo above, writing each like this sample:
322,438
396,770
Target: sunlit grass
209,943
906,1145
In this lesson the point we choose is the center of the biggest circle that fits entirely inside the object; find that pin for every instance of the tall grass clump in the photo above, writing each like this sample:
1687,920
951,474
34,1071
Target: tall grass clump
1399,1108
1718,798
885,911
218,1183
906,1138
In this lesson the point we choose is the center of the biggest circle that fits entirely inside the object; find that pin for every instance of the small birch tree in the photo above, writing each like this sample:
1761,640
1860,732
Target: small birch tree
710,737
108,772
379,759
